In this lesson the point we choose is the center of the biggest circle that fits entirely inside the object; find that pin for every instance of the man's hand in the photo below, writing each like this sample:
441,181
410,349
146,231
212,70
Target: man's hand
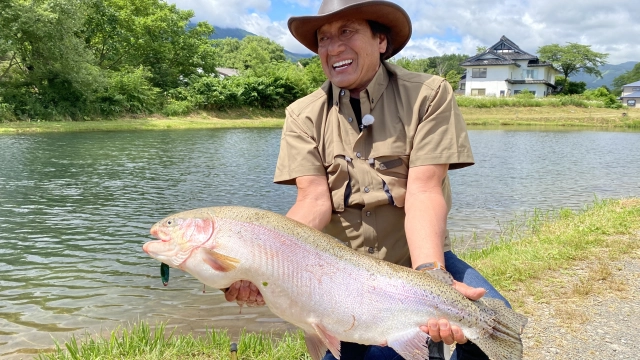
244,293
441,330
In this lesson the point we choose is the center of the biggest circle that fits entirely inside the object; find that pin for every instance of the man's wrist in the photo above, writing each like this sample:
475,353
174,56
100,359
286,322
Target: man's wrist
432,265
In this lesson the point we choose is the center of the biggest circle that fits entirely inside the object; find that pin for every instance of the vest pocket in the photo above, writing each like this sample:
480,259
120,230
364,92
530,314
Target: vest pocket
338,178
394,170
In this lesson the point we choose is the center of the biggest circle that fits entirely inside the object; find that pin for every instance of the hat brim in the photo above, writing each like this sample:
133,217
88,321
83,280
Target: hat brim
304,28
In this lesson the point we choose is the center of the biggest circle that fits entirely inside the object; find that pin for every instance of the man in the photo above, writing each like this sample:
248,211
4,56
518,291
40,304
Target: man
369,153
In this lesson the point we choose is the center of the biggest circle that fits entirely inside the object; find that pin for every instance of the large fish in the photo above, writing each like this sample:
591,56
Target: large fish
333,293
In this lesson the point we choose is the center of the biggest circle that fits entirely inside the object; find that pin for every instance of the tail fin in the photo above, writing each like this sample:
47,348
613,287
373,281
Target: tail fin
503,341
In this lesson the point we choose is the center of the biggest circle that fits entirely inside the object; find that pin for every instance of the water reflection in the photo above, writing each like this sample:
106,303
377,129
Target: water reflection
76,208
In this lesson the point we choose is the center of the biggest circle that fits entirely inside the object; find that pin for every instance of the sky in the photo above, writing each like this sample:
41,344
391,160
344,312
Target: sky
457,26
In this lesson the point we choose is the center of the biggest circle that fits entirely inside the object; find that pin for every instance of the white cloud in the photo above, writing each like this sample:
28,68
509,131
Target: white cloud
224,13
445,26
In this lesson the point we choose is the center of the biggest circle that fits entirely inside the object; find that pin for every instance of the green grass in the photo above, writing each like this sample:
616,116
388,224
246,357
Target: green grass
553,101
541,116
140,341
527,250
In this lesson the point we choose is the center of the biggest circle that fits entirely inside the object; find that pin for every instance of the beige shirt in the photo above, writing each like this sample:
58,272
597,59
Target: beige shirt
417,122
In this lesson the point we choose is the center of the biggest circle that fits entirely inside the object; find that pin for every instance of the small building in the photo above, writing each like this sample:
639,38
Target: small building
504,70
224,72
631,95
462,84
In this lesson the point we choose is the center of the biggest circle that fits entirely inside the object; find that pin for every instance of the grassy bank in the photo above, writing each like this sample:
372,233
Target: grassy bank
568,116
240,118
520,262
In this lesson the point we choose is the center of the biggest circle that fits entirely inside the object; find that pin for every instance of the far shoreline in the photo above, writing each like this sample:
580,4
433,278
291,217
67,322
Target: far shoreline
568,116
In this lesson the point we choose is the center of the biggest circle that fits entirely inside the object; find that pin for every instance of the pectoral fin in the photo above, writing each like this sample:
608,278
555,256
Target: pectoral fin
315,346
329,341
219,262
411,345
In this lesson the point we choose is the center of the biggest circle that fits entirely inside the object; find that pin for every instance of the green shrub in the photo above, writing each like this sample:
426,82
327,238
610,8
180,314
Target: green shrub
210,93
525,94
611,102
6,112
129,92
178,108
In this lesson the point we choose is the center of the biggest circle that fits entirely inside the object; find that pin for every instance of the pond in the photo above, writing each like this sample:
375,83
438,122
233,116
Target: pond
75,210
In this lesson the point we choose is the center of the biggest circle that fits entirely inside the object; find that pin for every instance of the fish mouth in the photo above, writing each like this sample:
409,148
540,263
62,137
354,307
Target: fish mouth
159,234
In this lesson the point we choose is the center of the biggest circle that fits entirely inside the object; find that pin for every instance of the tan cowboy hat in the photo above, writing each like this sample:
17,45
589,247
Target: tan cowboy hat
304,28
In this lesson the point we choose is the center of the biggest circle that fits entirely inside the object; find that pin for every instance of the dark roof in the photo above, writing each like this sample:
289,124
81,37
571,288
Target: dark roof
632,95
536,62
637,83
510,81
488,58
510,50
504,52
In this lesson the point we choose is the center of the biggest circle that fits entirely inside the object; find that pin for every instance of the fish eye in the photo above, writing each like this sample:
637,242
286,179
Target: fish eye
169,222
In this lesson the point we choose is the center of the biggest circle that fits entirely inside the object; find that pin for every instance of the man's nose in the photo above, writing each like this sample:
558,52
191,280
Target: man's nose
336,46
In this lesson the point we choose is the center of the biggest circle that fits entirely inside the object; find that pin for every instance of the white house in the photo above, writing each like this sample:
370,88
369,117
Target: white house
631,95
505,70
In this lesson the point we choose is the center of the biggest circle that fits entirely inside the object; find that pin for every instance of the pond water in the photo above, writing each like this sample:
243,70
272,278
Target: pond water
75,210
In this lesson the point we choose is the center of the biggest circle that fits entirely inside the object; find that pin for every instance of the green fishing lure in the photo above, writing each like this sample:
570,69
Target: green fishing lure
164,274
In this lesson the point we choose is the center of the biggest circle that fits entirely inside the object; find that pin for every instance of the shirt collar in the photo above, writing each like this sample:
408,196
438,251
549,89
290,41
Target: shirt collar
374,90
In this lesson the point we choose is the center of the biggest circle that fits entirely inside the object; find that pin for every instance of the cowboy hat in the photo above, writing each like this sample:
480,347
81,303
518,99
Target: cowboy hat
304,28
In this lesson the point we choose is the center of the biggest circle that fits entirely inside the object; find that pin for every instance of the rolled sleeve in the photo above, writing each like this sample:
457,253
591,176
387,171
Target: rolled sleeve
299,154
441,137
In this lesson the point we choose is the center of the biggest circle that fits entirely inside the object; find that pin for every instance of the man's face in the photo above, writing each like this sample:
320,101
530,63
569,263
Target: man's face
349,53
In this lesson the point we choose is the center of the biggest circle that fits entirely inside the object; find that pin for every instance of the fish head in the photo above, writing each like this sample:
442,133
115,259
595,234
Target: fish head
178,236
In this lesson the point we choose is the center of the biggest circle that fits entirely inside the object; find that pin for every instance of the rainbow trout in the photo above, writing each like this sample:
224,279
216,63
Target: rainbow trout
332,292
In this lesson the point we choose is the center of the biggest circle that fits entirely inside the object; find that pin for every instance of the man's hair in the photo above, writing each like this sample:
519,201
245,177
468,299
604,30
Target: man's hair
379,29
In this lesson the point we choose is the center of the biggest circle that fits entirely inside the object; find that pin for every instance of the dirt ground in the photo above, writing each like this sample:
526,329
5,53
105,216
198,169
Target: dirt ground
591,311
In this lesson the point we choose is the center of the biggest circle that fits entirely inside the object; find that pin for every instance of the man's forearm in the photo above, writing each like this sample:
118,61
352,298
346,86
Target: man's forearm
426,214
311,213
425,226
313,203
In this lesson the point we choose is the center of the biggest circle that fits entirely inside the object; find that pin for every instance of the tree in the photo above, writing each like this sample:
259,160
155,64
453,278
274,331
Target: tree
571,87
49,70
150,33
629,77
250,53
313,71
436,65
480,49
446,63
573,58
454,79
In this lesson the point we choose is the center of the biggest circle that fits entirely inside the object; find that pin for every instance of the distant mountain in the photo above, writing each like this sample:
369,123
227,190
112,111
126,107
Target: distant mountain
223,33
609,72
293,57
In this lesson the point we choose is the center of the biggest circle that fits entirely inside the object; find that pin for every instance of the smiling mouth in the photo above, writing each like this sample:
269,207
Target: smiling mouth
342,64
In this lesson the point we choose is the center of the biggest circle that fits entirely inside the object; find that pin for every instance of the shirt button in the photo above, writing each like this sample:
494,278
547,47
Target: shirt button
368,213
350,120
341,92
366,190
371,250
358,155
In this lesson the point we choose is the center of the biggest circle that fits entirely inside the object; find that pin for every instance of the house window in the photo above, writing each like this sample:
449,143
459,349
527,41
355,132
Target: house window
631,103
516,92
478,92
463,86
479,73
529,74
635,89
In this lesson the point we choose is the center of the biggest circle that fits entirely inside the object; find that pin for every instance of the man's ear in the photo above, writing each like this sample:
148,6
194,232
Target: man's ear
382,43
